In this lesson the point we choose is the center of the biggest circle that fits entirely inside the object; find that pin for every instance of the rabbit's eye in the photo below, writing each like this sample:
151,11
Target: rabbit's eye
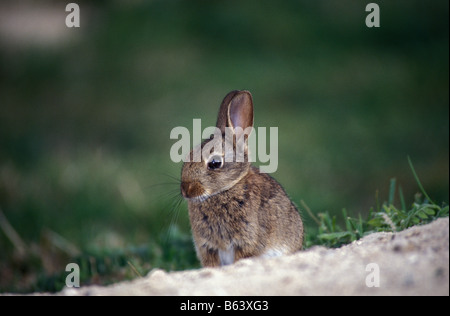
215,162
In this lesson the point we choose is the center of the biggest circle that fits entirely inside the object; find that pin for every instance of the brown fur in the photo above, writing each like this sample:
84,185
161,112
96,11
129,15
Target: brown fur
253,217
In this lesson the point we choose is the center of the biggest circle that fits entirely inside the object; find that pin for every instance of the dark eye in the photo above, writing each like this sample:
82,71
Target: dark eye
215,162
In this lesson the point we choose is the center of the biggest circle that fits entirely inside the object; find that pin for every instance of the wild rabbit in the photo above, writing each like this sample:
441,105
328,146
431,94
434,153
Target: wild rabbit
235,211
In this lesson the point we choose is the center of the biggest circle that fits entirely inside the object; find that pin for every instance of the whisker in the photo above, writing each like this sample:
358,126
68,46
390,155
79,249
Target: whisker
176,207
172,200
177,179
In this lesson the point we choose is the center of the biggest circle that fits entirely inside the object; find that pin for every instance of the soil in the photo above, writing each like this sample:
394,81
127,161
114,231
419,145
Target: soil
411,262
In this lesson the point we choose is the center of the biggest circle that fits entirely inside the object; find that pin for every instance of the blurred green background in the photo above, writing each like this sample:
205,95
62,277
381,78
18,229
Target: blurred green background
86,113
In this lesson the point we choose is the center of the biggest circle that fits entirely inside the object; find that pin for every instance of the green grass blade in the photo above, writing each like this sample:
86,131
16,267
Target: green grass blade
392,191
377,200
348,225
310,213
402,198
418,181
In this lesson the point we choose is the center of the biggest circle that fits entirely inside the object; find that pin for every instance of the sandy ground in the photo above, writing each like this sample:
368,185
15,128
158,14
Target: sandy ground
412,262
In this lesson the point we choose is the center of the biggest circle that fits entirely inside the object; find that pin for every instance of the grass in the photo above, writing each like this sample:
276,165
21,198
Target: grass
385,217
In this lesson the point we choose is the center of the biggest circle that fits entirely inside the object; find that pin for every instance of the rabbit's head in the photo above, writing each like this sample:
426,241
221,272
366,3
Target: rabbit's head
224,157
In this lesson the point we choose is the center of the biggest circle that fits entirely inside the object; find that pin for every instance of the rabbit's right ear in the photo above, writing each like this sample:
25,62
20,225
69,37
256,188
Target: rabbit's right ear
222,118
240,111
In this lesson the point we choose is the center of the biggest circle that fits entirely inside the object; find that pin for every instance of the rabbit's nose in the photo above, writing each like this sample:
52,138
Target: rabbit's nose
191,189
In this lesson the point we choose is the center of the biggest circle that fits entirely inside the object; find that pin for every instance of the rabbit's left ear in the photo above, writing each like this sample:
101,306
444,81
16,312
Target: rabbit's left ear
240,110
222,117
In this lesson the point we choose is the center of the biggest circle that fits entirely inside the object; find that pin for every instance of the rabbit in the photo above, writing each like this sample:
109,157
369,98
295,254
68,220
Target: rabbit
235,211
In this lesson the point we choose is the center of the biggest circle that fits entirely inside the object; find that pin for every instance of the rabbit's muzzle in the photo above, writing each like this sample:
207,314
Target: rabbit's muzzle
191,189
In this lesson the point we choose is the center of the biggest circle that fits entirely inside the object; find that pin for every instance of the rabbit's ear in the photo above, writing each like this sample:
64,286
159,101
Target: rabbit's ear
240,110
222,118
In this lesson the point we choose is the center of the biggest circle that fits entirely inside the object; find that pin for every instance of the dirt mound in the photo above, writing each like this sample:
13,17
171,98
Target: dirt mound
412,262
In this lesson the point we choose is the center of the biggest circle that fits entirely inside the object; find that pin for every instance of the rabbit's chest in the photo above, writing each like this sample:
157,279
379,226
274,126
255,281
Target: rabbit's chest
226,256
222,224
